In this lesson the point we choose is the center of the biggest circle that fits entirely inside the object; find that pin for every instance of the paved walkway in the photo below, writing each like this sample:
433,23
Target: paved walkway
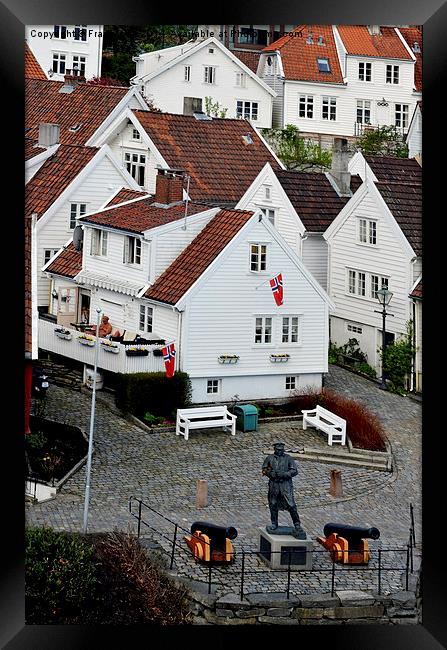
162,470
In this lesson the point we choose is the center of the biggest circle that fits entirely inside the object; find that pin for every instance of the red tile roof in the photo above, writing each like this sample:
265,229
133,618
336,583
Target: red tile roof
31,149
250,59
413,35
299,58
143,215
54,176
68,263
87,105
213,153
314,197
395,170
417,291
32,67
125,195
358,41
195,259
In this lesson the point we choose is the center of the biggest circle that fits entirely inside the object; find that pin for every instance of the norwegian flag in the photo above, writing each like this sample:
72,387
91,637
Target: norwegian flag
169,359
277,288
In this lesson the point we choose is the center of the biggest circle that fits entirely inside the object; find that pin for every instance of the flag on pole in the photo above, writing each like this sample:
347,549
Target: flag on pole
169,358
277,288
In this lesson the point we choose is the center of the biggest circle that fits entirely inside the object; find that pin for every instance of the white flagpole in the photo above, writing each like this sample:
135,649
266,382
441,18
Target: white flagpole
268,280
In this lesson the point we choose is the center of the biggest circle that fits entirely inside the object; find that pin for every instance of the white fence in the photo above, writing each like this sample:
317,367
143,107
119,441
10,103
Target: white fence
113,362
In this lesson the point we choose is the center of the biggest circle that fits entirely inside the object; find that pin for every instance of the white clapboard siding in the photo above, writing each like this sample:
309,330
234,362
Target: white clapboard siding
386,259
315,257
169,89
220,318
123,143
276,83
414,139
417,269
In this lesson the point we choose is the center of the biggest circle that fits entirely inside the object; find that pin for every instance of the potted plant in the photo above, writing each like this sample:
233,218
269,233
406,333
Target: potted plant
137,352
108,346
228,358
84,339
278,358
63,333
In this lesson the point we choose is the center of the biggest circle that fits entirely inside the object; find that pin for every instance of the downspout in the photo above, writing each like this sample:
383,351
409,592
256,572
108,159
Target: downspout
413,374
179,334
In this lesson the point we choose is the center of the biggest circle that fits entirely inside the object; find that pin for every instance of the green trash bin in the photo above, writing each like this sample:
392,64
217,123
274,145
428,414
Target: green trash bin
247,417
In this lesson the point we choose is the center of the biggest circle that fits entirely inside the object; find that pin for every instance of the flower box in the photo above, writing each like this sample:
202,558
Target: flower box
228,358
63,334
110,347
137,352
86,340
279,358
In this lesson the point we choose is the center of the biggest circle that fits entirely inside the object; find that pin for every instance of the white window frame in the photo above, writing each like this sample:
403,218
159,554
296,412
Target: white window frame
258,258
262,323
291,382
267,192
132,250
59,37
136,136
57,59
367,232
401,115
365,72
209,74
247,109
306,104
329,106
356,283
82,30
392,74
81,64
354,328
288,323
99,243
146,319
377,282
213,386
134,167
187,73
48,254
270,213
363,105
241,79
76,210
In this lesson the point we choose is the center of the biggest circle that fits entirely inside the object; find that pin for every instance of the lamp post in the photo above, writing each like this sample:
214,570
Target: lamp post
92,424
384,297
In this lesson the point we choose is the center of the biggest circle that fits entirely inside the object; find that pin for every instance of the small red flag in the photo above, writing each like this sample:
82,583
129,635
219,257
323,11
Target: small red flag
169,359
277,288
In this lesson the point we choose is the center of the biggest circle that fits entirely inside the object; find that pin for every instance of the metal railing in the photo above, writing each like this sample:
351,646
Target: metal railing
360,128
233,573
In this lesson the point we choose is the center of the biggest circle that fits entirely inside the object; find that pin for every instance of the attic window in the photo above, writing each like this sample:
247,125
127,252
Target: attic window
211,50
75,128
416,48
323,65
247,138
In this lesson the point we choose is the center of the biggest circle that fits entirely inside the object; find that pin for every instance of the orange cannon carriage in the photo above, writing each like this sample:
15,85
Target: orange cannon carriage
348,544
210,543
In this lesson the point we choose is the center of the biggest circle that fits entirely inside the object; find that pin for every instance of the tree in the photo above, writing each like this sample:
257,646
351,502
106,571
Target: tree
295,151
383,141
103,81
398,361
214,109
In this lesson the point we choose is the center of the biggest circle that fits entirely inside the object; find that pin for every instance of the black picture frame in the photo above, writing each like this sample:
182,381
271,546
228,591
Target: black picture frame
14,14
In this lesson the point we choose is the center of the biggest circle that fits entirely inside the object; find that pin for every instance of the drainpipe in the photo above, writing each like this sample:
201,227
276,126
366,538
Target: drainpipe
179,334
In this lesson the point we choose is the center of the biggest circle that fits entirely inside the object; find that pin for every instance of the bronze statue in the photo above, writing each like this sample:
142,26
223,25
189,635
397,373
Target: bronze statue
280,469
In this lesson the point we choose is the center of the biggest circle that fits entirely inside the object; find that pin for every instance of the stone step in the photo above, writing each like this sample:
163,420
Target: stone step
337,459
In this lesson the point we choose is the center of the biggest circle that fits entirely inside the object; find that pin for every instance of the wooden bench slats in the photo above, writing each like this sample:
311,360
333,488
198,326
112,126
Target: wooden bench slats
322,419
204,418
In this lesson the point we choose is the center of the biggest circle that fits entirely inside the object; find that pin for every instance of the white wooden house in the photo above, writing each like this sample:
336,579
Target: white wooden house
335,80
179,79
60,48
414,135
206,288
375,242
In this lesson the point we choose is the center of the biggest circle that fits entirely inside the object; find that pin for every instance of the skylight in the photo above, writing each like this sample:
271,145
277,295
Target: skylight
323,65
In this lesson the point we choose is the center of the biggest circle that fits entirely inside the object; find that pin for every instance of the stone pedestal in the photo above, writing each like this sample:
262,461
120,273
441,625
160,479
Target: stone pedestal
275,551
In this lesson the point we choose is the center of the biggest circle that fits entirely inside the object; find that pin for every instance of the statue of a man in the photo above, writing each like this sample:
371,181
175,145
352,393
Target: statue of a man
280,469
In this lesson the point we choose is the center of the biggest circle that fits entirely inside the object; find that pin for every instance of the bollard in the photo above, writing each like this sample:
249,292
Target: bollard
336,489
202,494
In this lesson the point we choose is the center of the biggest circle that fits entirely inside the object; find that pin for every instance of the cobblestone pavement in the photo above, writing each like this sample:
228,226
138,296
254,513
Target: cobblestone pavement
162,470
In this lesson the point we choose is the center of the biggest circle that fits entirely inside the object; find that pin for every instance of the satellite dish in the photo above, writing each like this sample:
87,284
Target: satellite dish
78,236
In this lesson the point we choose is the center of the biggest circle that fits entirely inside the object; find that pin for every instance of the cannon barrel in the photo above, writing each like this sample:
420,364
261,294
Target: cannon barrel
217,534
351,533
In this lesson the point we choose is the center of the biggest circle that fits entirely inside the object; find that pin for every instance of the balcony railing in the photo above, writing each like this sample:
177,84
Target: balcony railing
118,362
361,128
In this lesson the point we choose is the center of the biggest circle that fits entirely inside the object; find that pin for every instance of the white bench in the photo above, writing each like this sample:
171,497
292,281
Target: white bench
322,419
202,418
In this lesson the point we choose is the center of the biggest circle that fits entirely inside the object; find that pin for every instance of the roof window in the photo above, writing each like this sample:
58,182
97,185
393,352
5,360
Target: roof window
416,48
321,40
310,39
247,138
323,65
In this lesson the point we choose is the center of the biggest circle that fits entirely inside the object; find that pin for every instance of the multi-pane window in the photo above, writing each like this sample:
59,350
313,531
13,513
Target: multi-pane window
258,257
356,329
290,383
212,386
80,33
146,318
270,214
187,73
367,231
289,329
246,110
306,106
59,61
401,115
378,282
132,250
209,74
99,243
76,210
78,64
60,31
357,283
135,165
323,65
364,71
136,135
241,78
392,74
329,108
263,329
364,111
48,254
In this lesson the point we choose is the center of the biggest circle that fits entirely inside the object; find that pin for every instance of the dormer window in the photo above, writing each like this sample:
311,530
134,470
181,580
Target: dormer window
323,65
132,250
99,243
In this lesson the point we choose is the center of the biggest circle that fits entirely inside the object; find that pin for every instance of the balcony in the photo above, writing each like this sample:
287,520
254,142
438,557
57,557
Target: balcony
107,360
361,128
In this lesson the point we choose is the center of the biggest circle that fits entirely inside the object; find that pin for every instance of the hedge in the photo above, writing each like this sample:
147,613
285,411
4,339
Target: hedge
153,392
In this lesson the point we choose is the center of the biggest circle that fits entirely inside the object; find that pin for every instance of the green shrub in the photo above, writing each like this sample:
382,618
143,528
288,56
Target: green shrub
398,360
59,576
153,392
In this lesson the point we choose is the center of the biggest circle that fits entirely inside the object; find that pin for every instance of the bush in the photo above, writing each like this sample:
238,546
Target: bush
59,576
398,361
153,392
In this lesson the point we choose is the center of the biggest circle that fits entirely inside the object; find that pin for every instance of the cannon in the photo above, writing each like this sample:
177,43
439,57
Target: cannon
348,544
210,543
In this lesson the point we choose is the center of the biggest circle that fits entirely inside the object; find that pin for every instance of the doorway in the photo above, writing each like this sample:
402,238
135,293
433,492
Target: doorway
84,307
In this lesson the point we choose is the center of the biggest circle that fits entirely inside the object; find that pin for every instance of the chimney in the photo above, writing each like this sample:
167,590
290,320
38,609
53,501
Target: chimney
339,169
169,186
48,134
374,30
70,82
